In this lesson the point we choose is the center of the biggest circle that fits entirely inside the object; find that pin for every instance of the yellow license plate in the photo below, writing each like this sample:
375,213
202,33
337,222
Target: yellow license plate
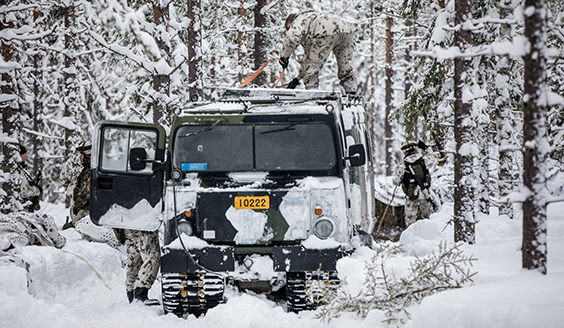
252,202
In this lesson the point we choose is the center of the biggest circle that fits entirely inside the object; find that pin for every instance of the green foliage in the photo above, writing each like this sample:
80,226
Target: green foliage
384,291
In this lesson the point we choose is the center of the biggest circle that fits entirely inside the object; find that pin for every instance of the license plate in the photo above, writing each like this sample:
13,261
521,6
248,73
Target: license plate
252,202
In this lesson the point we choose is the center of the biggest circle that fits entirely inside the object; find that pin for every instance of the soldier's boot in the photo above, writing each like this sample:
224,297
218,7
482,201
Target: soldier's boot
141,294
130,296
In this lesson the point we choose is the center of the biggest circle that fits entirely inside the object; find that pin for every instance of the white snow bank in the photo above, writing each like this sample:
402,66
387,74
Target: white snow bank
70,294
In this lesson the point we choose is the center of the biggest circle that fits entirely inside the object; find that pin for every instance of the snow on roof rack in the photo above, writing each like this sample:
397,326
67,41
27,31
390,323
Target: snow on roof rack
276,95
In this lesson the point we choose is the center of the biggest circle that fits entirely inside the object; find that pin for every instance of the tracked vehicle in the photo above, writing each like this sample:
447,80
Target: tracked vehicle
263,189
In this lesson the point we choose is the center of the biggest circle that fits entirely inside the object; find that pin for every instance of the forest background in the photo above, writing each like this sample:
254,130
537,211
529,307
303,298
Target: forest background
449,74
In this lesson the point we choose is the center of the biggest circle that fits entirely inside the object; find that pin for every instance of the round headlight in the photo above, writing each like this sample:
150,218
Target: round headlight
177,175
323,228
185,227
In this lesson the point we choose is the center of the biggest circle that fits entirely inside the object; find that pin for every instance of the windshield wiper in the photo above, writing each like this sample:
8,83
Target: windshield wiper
201,131
289,127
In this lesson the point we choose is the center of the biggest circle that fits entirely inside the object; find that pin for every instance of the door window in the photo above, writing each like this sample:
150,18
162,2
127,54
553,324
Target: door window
117,143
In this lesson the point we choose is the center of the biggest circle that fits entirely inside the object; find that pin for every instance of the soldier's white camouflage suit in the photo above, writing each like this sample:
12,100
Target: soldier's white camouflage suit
319,34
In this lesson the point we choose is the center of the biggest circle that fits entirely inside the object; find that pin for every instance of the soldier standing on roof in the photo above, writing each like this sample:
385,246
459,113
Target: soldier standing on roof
319,34
415,181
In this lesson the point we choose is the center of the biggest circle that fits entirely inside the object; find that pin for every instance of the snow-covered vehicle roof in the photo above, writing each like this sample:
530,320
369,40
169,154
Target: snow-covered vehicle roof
269,101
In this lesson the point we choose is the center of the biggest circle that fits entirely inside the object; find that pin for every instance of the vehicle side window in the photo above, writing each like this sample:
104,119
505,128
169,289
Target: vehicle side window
117,143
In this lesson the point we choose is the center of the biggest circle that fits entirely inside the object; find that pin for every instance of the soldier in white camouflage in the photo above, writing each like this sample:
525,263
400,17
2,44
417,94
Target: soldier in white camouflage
415,180
69,173
143,261
30,190
319,34
76,175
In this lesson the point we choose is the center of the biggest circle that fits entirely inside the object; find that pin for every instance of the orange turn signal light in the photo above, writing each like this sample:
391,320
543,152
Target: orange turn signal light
318,211
188,213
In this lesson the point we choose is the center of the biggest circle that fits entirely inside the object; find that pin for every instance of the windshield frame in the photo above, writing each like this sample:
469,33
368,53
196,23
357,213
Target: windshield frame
278,122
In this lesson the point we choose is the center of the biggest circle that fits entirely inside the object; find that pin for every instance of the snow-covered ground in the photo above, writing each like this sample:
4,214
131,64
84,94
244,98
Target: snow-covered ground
70,294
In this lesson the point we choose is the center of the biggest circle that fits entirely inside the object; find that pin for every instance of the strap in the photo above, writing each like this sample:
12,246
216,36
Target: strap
257,72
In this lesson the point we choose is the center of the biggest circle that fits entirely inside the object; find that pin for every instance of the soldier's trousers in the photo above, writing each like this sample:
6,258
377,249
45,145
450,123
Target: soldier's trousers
143,258
316,53
414,209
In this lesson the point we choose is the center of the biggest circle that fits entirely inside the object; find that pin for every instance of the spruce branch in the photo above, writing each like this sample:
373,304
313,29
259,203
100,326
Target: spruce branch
382,290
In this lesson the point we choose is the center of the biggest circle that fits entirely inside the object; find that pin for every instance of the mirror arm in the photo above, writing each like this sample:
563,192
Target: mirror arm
352,157
157,165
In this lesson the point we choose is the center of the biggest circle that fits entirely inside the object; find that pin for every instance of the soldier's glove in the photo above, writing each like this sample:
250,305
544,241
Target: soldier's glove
68,224
284,62
441,159
421,145
294,83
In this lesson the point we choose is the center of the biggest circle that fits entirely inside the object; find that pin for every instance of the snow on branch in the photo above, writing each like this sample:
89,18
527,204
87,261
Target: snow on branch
43,135
5,9
123,51
23,33
516,48
385,291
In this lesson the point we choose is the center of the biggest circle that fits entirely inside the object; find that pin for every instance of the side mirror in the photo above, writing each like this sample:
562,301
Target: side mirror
357,155
137,157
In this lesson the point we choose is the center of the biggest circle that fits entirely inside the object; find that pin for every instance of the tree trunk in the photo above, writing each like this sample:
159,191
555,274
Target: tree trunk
72,84
373,114
389,93
260,43
161,82
483,192
195,71
464,216
411,45
11,124
535,145
37,100
242,63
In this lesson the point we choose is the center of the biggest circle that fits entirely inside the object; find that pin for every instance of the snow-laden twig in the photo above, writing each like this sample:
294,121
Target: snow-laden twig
383,291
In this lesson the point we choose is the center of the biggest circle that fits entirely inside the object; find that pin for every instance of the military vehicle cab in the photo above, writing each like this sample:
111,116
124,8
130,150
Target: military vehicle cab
267,189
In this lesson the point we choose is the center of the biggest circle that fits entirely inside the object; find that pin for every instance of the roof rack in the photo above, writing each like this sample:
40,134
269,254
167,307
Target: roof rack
259,95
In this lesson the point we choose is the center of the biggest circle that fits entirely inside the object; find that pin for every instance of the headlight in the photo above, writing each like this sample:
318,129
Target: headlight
177,175
185,227
323,228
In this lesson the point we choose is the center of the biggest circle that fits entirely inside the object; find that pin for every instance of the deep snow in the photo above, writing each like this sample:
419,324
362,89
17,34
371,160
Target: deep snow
70,294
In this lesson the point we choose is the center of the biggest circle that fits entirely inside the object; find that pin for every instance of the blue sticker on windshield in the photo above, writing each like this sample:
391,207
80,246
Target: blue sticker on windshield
194,166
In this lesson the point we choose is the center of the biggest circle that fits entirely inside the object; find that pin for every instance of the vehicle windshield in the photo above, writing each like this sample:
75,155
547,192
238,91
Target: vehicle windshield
293,146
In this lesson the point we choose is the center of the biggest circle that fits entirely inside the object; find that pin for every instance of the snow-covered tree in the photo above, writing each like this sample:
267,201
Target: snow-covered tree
535,146
9,104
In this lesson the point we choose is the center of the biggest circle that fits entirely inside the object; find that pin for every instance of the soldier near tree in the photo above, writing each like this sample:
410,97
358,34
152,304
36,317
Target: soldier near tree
30,190
77,173
415,180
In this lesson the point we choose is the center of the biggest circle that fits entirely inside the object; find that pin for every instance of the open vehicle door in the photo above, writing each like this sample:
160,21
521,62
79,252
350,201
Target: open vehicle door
127,175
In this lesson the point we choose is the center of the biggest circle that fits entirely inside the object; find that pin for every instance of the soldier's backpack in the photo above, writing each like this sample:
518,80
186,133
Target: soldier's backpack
416,177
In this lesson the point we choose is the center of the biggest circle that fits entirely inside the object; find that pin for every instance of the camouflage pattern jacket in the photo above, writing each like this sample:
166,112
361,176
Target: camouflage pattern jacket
308,25
81,193
428,158
27,189
70,171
